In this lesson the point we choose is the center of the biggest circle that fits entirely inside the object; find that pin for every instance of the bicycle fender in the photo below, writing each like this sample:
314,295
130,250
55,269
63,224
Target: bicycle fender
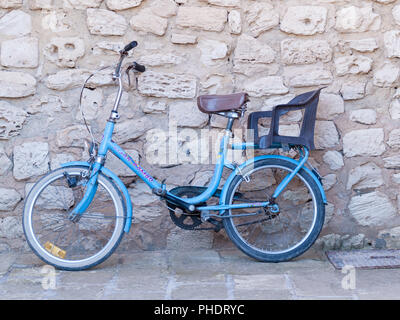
118,182
245,164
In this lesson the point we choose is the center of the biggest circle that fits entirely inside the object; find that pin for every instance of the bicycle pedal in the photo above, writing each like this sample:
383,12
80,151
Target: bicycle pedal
218,225
54,250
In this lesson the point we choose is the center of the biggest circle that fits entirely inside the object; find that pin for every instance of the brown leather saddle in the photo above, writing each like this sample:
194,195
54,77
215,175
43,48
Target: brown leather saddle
222,103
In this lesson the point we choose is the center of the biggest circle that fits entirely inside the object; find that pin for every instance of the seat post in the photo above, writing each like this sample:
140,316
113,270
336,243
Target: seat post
230,123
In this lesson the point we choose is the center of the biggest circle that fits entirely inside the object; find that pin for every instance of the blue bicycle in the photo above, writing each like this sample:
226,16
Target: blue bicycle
272,207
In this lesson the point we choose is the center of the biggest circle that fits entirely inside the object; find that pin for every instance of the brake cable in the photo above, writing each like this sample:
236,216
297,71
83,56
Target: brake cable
95,144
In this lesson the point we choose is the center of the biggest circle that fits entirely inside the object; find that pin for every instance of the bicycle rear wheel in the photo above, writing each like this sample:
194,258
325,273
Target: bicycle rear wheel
71,245
268,236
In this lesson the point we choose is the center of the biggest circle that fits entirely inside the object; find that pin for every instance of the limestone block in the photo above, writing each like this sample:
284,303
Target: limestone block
391,237
178,38
9,198
294,51
108,47
41,4
56,21
354,64
11,228
203,18
65,52
334,159
16,84
72,136
353,90
330,105
355,19
106,23
69,79
364,116
394,138
386,76
155,107
12,119
186,114
235,22
147,22
162,59
60,158
396,14
10,4
306,76
266,86
5,162
164,8
391,40
365,142
364,45
392,162
16,23
31,159
20,53
304,20
249,50
329,181
167,85
353,242
372,209
368,175
212,51
326,135
82,4
394,109
122,4
92,103
224,3
330,242
132,129
261,17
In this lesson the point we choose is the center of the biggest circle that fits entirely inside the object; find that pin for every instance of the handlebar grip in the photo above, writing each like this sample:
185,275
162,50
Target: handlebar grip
130,46
139,67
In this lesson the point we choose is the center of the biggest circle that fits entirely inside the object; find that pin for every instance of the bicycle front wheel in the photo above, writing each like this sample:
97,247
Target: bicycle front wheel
71,245
268,236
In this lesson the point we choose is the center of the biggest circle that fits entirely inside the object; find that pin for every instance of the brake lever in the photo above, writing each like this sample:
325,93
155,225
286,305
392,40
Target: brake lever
129,77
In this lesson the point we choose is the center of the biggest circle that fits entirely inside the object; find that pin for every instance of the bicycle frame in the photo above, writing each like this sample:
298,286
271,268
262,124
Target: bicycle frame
107,145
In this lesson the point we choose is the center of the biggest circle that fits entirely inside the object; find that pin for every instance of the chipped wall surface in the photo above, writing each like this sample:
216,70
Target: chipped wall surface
271,49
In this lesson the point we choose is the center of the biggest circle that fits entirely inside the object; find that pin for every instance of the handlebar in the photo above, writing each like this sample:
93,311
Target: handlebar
138,67
130,46
117,75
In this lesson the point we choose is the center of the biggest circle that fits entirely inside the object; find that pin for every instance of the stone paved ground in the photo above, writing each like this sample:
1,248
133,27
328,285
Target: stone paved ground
203,274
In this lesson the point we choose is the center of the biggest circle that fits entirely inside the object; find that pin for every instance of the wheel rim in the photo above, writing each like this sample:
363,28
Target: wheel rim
62,242
291,228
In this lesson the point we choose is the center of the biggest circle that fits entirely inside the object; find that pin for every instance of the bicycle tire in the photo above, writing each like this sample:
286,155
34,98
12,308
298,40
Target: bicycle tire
42,253
259,255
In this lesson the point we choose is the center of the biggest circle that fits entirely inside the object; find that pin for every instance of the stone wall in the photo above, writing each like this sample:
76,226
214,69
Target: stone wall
271,49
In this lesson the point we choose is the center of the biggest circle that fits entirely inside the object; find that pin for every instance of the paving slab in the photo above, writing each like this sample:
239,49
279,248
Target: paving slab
204,274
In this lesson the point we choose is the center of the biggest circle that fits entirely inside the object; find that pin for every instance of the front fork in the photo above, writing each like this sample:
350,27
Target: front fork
91,189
